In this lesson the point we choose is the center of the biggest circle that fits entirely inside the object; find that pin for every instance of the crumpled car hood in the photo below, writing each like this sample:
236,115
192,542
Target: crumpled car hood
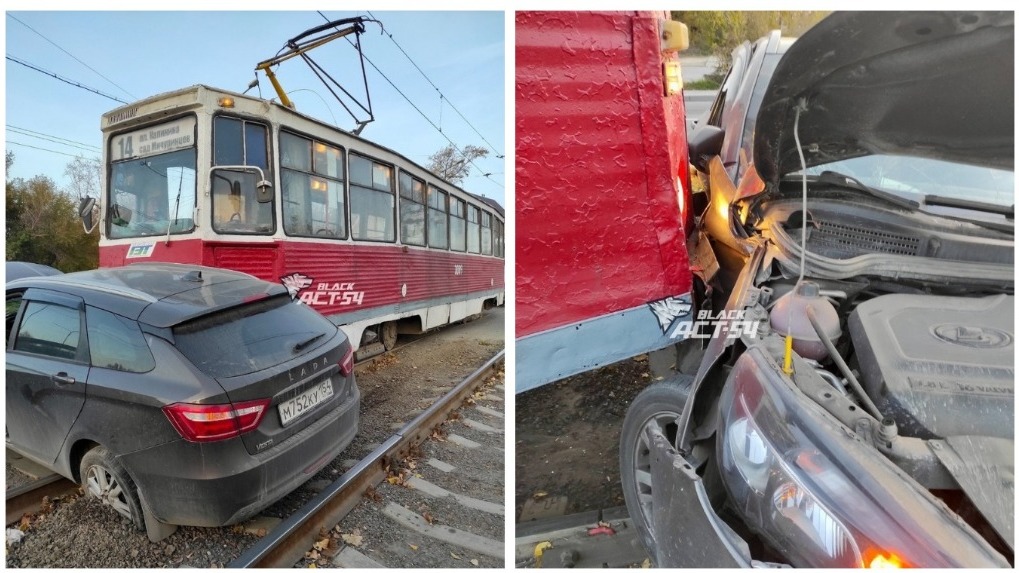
937,85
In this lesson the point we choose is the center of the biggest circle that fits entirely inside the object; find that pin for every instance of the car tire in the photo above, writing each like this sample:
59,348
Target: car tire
103,477
662,404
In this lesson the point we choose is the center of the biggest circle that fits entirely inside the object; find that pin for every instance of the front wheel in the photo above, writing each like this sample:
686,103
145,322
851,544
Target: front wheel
103,477
658,407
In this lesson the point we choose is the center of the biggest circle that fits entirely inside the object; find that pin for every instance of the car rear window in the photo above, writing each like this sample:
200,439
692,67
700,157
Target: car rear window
252,337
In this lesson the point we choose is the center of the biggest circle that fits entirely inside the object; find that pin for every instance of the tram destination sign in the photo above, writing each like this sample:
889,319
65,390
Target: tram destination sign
153,140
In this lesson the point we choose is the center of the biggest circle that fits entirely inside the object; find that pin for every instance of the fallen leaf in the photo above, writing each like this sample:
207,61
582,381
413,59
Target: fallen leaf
312,566
428,517
353,538
474,562
455,556
262,532
539,495
414,547
321,543
539,550
312,554
646,564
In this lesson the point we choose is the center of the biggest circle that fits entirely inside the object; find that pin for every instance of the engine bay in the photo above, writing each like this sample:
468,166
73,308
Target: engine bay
939,366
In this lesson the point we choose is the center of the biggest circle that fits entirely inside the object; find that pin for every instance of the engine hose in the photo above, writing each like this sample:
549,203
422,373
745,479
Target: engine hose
843,367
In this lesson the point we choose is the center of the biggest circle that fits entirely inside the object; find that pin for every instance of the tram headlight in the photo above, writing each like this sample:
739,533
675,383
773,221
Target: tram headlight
227,102
820,495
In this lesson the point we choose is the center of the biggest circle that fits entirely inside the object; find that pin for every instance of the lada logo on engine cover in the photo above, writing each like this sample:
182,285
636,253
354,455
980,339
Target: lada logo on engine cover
972,336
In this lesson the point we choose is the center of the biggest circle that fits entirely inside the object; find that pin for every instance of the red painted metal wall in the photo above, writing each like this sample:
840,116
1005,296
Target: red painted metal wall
377,271
599,150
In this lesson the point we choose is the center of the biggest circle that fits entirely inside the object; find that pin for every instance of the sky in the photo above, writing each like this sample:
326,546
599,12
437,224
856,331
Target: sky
134,55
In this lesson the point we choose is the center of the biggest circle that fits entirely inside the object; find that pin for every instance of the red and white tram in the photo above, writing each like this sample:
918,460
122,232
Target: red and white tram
603,270
374,241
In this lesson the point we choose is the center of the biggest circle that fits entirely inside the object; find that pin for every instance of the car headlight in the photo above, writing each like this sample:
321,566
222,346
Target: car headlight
818,493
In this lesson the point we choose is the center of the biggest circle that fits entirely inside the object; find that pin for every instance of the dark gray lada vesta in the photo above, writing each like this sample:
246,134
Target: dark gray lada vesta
177,394
862,413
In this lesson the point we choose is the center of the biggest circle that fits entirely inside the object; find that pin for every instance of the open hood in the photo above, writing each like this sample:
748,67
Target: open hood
936,85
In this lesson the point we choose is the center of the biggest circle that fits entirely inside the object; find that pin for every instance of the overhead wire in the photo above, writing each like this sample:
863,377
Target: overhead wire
425,116
52,138
9,142
9,15
442,97
63,79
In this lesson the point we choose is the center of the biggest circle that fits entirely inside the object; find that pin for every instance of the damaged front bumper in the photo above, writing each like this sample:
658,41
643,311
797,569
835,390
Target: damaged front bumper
687,530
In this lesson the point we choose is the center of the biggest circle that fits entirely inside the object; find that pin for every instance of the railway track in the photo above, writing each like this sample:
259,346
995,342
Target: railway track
29,497
300,529
295,537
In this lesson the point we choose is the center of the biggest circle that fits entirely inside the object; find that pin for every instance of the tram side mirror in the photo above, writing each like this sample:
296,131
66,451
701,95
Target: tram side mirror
264,191
705,143
87,213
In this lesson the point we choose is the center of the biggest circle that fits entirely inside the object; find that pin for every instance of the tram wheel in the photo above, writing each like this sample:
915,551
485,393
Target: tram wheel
388,334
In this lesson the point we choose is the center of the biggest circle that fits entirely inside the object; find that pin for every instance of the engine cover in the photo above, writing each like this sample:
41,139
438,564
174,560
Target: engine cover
939,366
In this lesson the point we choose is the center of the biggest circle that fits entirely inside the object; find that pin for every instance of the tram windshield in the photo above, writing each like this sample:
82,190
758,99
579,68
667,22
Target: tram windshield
152,184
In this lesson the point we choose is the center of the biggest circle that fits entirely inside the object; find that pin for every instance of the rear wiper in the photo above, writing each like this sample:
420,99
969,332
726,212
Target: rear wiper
842,180
302,345
1007,210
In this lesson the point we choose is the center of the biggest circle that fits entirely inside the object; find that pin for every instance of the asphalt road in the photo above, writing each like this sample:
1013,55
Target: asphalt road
697,105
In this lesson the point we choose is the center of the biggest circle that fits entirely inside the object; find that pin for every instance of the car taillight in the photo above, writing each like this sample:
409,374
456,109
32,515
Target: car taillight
347,364
213,422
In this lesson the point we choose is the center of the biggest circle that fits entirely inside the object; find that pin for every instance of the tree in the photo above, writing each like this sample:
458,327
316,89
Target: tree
452,165
717,33
43,226
84,175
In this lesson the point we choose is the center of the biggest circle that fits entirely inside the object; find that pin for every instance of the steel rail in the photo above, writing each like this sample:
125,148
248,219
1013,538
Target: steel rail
290,540
28,498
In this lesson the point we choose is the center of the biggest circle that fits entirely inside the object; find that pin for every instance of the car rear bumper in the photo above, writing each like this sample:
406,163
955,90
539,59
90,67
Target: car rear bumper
220,483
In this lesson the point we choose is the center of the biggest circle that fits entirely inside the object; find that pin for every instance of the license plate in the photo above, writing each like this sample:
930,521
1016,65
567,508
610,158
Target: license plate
305,402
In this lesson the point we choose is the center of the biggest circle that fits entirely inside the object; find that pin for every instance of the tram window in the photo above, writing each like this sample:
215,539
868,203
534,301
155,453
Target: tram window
473,230
229,141
486,233
412,210
152,194
312,186
372,204
457,224
497,236
438,220
235,208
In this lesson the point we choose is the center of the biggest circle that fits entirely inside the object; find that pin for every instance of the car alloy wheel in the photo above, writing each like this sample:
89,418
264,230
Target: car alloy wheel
104,478
101,483
657,408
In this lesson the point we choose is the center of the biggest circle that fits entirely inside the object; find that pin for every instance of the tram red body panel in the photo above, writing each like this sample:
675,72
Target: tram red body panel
374,275
602,171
